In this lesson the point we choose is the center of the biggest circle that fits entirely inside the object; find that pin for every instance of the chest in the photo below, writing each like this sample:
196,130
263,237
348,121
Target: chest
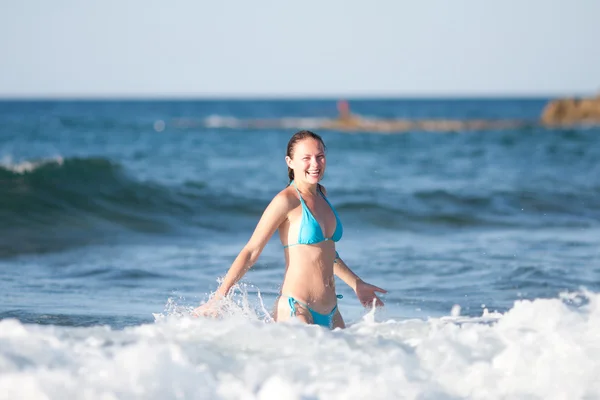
320,210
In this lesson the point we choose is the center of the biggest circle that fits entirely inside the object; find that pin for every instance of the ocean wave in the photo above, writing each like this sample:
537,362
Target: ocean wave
27,166
54,203
540,348
41,190
492,209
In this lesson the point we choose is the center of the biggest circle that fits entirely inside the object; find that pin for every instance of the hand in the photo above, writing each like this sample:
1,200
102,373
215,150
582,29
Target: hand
205,310
366,294
208,309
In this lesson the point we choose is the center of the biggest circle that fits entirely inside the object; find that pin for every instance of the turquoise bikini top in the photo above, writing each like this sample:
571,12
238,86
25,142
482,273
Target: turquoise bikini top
310,231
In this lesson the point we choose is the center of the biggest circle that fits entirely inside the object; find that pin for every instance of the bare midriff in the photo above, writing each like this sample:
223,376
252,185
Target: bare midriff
309,275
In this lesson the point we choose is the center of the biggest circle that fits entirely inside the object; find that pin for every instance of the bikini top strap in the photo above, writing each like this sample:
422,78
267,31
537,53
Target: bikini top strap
325,197
297,191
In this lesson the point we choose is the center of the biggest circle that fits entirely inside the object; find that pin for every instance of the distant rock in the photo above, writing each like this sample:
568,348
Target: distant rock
572,111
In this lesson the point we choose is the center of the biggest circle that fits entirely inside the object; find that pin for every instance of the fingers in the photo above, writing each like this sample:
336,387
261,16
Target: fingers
377,288
203,311
380,290
373,300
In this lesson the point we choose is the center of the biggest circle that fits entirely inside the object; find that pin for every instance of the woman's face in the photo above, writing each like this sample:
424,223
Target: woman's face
308,161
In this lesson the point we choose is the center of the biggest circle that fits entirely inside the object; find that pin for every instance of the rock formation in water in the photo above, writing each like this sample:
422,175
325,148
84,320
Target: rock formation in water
557,113
571,111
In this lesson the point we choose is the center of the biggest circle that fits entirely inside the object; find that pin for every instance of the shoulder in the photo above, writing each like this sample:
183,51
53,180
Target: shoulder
285,200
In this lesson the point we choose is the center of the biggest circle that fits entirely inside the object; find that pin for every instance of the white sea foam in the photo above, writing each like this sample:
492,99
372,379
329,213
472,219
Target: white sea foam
28,166
218,121
305,123
541,349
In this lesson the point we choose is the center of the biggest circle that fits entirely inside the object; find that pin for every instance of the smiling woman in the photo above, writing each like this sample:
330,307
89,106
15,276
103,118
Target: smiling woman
308,228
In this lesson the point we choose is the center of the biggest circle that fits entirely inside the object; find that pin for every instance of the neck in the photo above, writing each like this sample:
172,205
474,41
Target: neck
304,187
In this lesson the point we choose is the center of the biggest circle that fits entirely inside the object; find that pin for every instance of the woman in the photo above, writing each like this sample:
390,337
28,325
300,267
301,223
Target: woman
308,229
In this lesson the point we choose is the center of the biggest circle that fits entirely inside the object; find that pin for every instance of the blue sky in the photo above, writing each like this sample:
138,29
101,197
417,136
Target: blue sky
320,48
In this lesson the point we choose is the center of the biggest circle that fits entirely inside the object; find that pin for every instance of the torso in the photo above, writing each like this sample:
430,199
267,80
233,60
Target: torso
309,267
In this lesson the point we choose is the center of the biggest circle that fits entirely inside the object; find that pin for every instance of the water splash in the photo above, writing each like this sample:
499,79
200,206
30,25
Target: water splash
238,303
538,349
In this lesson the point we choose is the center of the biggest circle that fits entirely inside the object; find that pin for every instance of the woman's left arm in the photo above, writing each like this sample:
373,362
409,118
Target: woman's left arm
364,291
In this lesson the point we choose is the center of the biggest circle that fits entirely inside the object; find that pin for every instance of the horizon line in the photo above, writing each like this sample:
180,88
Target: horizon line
292,97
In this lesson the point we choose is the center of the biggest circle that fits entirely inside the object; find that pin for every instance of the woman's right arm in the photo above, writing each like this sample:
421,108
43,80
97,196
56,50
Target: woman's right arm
273,216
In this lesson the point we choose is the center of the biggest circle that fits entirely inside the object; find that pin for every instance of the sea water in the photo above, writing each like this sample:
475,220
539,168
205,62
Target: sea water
117,219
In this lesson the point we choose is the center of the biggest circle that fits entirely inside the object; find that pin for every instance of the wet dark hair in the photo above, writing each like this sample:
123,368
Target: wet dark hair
297,137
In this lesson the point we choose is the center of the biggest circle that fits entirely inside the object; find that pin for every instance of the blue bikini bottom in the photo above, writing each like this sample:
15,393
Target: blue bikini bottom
325,320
